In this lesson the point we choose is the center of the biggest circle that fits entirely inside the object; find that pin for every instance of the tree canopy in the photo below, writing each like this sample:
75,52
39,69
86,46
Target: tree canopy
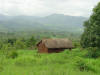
91,35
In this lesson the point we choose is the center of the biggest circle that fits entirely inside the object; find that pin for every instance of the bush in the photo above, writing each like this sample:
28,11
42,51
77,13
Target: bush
12,54
19,44
77,44
93,52
83,65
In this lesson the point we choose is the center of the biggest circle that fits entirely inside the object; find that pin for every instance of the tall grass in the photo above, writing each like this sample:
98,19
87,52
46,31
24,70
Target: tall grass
65,63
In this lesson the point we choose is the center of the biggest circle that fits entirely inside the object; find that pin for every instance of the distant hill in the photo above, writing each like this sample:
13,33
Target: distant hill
54,22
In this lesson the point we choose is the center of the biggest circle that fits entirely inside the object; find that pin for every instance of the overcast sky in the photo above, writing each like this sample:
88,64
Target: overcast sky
47,7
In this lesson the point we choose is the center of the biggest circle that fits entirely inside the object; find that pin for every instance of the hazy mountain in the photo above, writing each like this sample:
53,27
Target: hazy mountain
55,22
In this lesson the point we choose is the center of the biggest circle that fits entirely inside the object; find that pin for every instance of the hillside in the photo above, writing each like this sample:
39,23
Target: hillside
54,22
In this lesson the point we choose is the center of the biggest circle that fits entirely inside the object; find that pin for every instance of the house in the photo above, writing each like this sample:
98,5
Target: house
54,45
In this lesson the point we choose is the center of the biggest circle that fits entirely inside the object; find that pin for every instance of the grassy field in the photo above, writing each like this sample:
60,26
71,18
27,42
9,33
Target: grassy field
30,62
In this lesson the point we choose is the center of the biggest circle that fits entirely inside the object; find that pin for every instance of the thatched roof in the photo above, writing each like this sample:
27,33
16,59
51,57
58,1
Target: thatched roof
57,43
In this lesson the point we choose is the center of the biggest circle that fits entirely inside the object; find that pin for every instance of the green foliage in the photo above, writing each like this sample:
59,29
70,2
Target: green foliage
76,44
12,54
84,65
11,41
91,35
31,42
1,68
19,44
1,45
93,52
7,46
26,40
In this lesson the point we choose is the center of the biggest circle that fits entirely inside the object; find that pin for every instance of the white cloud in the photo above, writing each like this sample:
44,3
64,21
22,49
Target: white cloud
46,7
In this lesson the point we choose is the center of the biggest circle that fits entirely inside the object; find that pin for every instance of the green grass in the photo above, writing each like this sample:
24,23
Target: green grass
30,62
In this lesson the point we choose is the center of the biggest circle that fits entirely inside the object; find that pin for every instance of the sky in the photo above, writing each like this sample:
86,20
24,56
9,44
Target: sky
47,7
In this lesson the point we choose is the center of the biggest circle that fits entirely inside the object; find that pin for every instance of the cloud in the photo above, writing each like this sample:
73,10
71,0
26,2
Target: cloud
46,7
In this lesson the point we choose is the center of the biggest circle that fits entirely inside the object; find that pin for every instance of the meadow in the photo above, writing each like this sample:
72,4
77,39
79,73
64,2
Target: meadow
30,62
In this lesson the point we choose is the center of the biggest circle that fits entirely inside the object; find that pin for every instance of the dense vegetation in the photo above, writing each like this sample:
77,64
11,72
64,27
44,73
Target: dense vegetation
28,62
91,35
28,40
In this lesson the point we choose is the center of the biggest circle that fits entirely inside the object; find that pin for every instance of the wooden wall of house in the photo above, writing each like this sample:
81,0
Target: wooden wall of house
42,48
55,50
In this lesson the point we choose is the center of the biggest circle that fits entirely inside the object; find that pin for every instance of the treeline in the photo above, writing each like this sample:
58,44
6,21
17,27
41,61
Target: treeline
40,34
18,43
28,40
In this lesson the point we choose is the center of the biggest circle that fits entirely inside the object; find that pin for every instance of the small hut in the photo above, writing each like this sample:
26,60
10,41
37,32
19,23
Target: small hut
54,45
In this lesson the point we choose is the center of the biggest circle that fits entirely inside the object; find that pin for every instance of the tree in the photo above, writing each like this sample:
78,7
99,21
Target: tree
91,35
11,41
31,42
1,45
19,44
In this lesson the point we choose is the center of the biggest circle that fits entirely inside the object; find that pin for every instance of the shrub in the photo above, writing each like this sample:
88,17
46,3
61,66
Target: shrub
12,54
93,52
83,65
77,44
7,46
19,44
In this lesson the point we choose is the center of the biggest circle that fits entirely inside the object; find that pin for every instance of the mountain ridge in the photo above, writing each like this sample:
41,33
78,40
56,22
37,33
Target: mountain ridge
54,22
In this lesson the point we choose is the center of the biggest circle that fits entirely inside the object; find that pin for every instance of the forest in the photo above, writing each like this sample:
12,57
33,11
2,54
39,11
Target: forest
19,54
